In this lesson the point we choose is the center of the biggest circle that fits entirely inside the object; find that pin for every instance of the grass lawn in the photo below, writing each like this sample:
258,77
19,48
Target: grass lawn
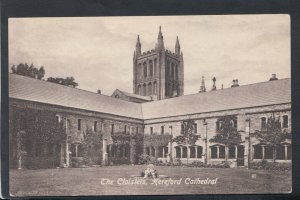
87,181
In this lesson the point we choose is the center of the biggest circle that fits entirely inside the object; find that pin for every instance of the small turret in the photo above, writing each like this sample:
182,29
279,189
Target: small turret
138,47
235,83
273,78
177,47
202,87
214,84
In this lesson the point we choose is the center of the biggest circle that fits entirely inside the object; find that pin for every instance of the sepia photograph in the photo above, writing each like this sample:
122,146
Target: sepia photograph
150,105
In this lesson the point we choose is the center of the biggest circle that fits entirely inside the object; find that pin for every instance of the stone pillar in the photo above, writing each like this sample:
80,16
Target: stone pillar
170,152
218,151
205,147
188,152
133,152
263,151
285,152
236,151
156,152
181,151
76,150
20,162
247,148
62,158
145,150
104,152
67,154
163,152
196,152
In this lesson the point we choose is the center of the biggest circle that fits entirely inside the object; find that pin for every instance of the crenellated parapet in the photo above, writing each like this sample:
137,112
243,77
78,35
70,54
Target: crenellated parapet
159,71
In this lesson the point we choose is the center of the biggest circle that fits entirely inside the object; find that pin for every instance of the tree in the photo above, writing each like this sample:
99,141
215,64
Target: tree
69,81
188,136
227,133
272,134
30,71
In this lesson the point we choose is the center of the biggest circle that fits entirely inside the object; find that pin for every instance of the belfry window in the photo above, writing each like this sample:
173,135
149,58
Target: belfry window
151,68
145,70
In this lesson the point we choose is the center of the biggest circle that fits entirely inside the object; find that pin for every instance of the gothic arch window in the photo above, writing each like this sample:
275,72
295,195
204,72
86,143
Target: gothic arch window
145,69
139,89
139,70
168,69
150,88
151,68
176,72
154,69
173,71
144,89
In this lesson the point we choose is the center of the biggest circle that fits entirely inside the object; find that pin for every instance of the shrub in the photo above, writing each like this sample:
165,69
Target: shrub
275,166
39,162
78,162
198,164
119,161
146,159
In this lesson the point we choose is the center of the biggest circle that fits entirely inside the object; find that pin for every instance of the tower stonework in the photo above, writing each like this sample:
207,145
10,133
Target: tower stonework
159,72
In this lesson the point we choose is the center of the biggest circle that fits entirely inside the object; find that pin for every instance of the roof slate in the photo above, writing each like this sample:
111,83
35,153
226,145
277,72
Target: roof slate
25,88
253,95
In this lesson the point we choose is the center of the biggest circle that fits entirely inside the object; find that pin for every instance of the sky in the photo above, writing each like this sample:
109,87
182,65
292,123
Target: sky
98,51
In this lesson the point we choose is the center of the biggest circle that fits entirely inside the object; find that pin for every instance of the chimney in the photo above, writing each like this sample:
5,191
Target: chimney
98,91
235,83
202,87
273,78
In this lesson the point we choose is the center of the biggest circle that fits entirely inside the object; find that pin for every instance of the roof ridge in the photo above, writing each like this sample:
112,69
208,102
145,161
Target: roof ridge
65,86
218,90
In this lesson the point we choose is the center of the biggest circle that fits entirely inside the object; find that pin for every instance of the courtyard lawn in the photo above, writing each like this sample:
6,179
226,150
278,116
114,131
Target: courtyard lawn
87,181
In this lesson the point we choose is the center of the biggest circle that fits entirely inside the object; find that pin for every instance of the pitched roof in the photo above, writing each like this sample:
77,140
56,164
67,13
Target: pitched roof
253,95
25,88
147,98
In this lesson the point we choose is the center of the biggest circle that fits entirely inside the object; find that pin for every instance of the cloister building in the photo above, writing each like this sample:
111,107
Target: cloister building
53,125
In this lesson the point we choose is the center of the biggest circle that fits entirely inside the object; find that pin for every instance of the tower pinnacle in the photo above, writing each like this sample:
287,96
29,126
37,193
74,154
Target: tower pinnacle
177,47
160,40
138,46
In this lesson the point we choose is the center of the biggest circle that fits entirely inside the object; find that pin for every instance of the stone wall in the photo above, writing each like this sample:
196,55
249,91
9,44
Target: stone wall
207,121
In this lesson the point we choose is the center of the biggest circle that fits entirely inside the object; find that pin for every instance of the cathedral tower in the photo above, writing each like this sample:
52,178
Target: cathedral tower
158,72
